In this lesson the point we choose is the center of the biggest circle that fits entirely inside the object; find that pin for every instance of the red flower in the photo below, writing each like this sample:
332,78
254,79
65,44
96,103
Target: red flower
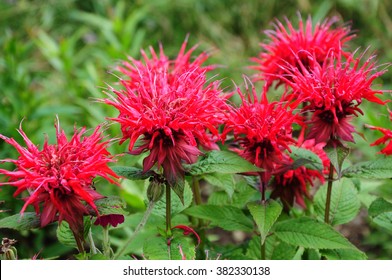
334,91
262,130
385,139
59,177
307,40
170,105
292,186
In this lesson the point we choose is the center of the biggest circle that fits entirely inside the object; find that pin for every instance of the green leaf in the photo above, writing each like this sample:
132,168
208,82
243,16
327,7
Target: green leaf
309,233
304,157
132,173
381,212
378,169
221,162
178,187
345,203
176,205
223,181
343,254
283,251
25,221
265,215
111,205
226,217
65,235
156,248
337,155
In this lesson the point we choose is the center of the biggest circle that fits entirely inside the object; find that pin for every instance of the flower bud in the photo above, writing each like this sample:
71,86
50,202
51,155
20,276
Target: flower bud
155,190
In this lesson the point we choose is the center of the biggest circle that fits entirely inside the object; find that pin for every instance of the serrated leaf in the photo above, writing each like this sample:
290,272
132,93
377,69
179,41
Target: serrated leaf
265,215
132,173
345,203
309,233
176,205
221,162
178,187
65,235
181,247
304,157
111,205
343,254
377,169
226,217
26,221
337,155
223,181
381,212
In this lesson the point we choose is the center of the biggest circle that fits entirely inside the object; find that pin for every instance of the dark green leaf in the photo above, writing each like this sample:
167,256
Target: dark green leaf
178,187
226,217
310,233
381,212
345,203
304,157
132,173
378,169
265,215
343,254
223,181
337,155
110,205
65,235
181,247
26,221
221,162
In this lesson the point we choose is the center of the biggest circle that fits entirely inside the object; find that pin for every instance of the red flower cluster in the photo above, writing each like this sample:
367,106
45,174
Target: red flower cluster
287,44
387,138
59,177
334,90
170,105
263,130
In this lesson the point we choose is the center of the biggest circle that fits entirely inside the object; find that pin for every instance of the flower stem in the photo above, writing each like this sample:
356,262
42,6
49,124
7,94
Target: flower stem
79,243
91,241
139,227
106,242
329,194
262,250
168,211
196,191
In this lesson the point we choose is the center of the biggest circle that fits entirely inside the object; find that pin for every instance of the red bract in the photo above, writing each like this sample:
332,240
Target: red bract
59,177
262,129
171,106
292,186
284,42
387,138
334,91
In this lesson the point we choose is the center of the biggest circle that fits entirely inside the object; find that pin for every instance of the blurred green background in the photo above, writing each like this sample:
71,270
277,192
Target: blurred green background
57,56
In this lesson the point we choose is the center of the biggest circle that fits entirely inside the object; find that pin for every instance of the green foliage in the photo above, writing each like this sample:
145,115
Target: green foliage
65,235
381,212
265,215
304,157
380,168
225,217
25,221
337,155
345,203
132,173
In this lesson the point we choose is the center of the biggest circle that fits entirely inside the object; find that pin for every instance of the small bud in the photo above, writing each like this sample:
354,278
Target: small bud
155,189
8,250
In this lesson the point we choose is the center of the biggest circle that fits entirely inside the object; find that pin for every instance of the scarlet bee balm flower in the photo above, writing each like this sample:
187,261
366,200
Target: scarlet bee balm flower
170,107
386,139
316,40
59,177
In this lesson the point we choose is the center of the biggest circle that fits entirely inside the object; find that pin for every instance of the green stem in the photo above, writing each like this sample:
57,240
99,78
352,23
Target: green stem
196,191
329,194
262,250
198,201
79,243
139,227
106,242
168,211
91,241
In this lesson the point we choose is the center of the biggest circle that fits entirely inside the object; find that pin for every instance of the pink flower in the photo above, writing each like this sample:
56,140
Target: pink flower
171,107
385,139
262,129
286,43
59,177
292,186
333,92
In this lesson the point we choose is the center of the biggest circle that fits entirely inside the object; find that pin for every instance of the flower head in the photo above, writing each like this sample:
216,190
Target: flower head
284,43
262,129
59,177
292,185
171,107
334,92
387,138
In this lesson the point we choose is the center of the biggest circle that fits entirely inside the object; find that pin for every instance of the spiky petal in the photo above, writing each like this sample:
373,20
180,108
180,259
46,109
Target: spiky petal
386,139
